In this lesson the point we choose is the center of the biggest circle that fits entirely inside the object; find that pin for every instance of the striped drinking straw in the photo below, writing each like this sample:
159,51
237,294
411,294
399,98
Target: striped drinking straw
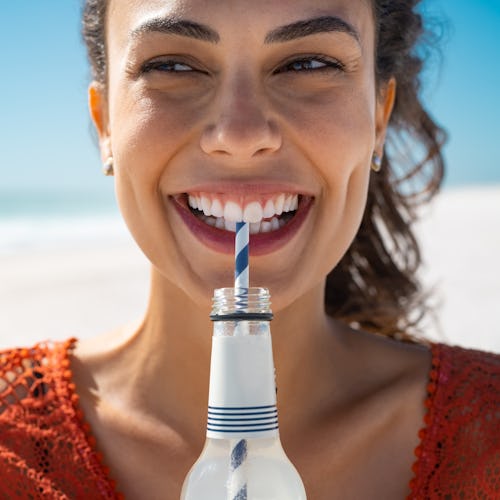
237,484
241,255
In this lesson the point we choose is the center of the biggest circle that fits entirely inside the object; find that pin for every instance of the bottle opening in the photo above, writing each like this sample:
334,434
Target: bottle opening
241,304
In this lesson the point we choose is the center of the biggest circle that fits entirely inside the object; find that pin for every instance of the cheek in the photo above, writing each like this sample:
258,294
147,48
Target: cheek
338,136
339,219
148,133
341,126
338,130
145,135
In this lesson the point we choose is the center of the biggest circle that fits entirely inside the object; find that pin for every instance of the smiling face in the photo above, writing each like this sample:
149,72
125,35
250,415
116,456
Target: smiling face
261,111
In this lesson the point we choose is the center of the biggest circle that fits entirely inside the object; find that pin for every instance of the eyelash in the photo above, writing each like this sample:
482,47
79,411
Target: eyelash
328,65
157,65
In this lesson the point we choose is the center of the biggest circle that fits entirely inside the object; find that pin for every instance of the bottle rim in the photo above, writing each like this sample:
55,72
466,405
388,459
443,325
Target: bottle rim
241,304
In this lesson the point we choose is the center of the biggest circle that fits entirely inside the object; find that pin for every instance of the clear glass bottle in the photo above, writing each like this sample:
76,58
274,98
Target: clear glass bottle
242,458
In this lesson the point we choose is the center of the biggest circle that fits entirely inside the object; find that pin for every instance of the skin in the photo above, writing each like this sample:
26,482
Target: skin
244,117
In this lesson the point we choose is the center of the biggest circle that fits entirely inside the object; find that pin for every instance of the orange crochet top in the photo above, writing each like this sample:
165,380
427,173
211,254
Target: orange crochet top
47,450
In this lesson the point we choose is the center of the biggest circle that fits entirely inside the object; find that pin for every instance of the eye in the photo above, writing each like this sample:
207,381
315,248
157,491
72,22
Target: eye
311,64
168,66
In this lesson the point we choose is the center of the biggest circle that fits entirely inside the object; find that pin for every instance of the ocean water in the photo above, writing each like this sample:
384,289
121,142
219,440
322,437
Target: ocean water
45,219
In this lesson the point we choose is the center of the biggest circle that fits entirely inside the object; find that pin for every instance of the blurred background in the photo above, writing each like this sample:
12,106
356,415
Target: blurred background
69,267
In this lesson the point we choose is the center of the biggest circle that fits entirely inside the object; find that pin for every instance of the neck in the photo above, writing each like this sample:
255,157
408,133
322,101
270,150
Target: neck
168,356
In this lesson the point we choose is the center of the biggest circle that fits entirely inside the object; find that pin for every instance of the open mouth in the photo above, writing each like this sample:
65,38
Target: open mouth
272,218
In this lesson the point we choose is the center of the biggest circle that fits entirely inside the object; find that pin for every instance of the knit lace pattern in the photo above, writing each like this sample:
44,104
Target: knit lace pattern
47,450
459,451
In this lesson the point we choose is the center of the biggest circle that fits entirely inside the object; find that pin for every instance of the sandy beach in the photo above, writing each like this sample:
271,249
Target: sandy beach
83,289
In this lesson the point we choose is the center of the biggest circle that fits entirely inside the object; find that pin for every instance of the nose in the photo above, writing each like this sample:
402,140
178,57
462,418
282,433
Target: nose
243,127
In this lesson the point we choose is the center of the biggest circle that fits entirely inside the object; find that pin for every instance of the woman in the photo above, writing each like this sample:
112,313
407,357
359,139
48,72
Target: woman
282,106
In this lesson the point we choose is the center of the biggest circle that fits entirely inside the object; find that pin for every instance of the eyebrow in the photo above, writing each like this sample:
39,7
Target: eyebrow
288,32
308,27
176,26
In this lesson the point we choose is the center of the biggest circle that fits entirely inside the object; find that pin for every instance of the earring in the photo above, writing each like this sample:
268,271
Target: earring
107,168
376,162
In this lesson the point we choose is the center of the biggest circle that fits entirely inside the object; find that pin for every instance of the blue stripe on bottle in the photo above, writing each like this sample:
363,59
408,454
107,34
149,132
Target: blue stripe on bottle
240,419
241,426
235,419
218,414
239,429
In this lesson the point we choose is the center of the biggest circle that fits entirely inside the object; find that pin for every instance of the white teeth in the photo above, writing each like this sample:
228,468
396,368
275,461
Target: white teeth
254,227
291,203
262,219
230,225
232,212
278,206
287,203
253,212
206,205
265,226
192,201
211,221
269,209
217,209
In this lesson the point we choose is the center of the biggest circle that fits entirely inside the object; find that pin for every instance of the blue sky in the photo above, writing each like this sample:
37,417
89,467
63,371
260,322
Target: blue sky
45,130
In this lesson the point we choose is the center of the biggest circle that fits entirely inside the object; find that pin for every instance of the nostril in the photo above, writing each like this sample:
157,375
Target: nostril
241,137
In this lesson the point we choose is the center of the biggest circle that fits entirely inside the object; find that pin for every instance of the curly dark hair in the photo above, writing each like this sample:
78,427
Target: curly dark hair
375,286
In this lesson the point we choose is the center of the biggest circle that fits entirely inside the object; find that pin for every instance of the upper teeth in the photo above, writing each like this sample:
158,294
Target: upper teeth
235,211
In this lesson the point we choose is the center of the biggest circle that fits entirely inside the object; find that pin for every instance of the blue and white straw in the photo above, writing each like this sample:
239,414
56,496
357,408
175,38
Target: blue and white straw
237,487
237,483
241,242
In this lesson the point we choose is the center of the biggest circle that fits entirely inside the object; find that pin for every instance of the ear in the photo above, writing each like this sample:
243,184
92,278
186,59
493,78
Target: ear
98,108
385,103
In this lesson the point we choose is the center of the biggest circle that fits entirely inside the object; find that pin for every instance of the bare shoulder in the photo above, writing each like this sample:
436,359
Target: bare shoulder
381,409
94,365
389,374
389,362
96,353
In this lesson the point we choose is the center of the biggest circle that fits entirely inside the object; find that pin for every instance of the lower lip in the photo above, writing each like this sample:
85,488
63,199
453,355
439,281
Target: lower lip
223,241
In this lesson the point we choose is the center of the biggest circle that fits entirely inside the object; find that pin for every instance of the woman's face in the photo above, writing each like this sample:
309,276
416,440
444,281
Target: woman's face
217,110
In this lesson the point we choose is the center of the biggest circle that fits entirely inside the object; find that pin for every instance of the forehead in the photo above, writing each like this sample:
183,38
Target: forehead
235,20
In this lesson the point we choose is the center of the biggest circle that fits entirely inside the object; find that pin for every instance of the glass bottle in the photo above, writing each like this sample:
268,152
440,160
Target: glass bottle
242,458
